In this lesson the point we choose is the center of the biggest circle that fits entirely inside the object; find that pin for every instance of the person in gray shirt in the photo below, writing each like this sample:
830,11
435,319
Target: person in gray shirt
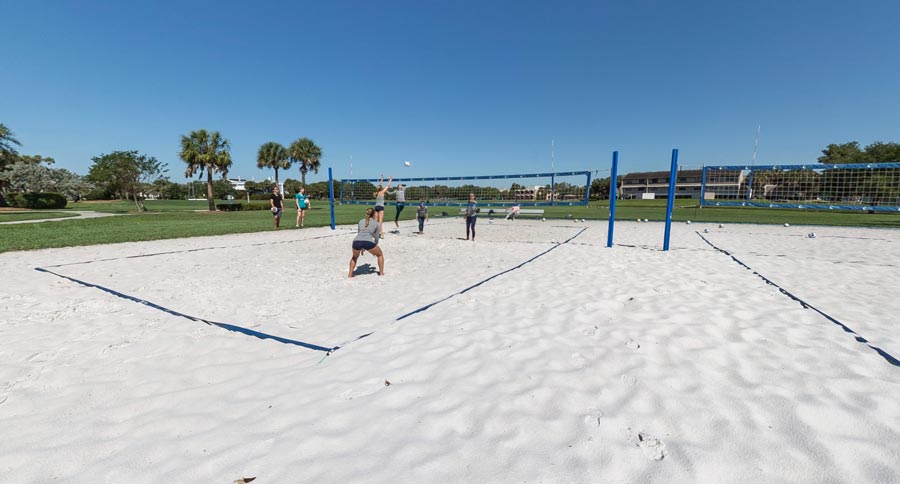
422,216
401,202
367,240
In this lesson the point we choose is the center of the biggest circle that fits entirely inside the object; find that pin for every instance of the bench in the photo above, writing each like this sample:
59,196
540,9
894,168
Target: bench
500,211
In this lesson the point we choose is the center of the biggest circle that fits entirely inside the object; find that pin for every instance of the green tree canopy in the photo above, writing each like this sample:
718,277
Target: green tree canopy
835,154
127,173
273,155
305,153
8,143
879,152
206,151
32,177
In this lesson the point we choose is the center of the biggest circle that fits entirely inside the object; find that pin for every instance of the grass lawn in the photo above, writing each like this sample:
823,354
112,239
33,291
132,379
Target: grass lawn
179,218
17,216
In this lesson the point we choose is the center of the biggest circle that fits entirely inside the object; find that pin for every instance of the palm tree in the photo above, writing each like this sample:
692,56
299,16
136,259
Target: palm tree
273,155
307,154
203,150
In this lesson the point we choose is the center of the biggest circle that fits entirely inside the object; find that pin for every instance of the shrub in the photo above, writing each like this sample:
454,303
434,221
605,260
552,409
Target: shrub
256,206
229,207
40,200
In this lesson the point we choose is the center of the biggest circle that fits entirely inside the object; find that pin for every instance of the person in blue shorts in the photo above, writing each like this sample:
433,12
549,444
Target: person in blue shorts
302,205
401,202
367,240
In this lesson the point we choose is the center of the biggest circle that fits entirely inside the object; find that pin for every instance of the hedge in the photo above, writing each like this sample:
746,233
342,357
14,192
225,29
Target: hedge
38,200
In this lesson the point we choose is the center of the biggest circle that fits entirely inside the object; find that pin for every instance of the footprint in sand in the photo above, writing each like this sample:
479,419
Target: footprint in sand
113,347
653,447
578,360
628,380
632,344
591,331
593,417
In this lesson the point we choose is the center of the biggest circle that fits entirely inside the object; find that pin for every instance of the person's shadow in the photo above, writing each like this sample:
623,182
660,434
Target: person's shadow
364,269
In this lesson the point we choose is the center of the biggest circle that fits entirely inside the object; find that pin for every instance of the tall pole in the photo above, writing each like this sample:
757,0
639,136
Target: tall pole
613,191
756,145
331,195
670,203
552,170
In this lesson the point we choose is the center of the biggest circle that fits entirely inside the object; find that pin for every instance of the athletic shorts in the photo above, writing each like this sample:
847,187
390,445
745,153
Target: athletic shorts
379,208
277,214
363,245
303,208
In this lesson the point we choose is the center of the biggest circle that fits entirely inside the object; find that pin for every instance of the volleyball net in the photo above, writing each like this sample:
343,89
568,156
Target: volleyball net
871,187
534,189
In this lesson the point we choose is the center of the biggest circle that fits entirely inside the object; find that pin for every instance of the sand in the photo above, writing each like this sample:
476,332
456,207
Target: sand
576,364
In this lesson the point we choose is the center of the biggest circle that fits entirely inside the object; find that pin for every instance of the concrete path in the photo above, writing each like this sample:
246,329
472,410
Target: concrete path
81,214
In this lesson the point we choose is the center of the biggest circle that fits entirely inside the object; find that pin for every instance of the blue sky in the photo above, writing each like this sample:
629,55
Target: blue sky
457,88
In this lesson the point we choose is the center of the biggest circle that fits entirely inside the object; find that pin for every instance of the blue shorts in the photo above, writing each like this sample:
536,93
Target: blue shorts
363,245
379,208
278,213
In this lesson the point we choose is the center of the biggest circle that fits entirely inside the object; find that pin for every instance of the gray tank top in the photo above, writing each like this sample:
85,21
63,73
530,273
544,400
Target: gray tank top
379,199
367,234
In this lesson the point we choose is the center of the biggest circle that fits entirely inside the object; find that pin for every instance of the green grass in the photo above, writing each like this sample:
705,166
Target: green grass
179,218
18,216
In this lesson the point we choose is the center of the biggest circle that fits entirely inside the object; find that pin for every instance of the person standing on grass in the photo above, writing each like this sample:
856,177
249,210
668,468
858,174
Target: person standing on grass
471,216
401,202
302,205
277,202
367,240
379,203
422,216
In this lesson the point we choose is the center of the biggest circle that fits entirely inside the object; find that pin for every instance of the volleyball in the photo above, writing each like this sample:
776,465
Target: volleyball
688,222
407,164
274,210
812,235
787,224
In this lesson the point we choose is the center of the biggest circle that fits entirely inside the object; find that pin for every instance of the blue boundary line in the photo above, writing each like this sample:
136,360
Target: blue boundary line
225,326
154,254
884,354
473,286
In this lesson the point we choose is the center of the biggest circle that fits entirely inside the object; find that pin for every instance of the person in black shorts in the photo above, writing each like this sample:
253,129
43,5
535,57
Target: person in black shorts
277,202
367,240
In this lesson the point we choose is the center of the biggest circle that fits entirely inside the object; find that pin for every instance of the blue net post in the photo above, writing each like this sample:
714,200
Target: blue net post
613,192
750,186
587,190
670,203
331,195
552,189
703,185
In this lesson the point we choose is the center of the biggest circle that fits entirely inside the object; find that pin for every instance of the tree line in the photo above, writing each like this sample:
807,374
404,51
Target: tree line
130,175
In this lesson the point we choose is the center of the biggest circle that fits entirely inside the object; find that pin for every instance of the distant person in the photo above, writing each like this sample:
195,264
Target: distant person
367,240
422,216
513,212
379,203
471,216
401,202
303,205
277,202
